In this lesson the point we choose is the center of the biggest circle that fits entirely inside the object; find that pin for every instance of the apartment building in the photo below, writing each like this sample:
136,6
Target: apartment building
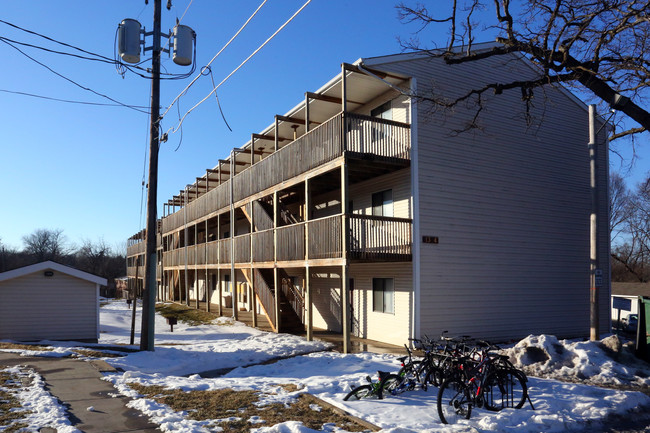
367,210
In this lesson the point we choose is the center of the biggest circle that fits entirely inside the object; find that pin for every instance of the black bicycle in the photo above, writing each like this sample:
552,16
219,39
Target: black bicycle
484,380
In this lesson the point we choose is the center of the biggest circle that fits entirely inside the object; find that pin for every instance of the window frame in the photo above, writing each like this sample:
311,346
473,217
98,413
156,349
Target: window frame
386,204
383,295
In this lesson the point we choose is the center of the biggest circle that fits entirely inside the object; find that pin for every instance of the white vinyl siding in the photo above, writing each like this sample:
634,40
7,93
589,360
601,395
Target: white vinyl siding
398,182
510,206
60,307
388,327
326,293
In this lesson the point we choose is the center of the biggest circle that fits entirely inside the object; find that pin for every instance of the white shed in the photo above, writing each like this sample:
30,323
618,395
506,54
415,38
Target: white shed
49,301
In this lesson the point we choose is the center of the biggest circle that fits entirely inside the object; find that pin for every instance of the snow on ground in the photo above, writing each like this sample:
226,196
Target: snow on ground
328,375
571,403
194,349
45,410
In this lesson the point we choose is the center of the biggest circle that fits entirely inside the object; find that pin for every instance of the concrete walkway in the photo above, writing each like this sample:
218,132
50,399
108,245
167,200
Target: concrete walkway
78,385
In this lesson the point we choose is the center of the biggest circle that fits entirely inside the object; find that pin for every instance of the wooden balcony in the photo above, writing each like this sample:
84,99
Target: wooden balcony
369,238
373,140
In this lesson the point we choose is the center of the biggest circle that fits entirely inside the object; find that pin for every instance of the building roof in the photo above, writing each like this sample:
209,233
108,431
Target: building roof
50,265
631,289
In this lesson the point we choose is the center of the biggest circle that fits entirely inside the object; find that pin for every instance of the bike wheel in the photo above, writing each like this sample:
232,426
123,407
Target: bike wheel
435,377
363,391
454,402
504,388
390,385
416,372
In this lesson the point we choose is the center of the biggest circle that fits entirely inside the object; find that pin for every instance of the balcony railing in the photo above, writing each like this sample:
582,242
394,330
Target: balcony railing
379,238
370,238
364,135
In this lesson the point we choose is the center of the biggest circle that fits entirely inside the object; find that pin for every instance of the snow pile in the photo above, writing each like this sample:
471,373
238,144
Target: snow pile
603,363
45,410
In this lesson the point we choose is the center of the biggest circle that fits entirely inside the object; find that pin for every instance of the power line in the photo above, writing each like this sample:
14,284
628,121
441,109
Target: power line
98,57
72,81
171,130
213,59
49,98
55,41
25,44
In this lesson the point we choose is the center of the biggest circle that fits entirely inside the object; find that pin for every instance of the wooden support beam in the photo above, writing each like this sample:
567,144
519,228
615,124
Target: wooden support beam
331,99
295,120
270,138
380,74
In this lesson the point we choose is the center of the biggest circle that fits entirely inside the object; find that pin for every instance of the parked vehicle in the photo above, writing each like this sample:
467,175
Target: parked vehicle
630,322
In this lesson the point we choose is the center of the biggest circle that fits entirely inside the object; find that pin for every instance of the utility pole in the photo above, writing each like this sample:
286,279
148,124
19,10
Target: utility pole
150,263
129,43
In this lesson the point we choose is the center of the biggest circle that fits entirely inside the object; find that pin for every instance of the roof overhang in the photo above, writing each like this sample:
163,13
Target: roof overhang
50,265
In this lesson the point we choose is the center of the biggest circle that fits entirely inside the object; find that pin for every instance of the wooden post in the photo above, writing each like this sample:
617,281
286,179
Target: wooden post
252,150
134,301
345,304
344,269
306,113
233,280
308,303
253,298
219,294
219,291
308,299
276,140
205,264
186,201
196,257
235,295
275,255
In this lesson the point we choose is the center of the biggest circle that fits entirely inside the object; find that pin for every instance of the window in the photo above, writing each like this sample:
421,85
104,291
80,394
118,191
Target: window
383,295
382,203
226,279
383,111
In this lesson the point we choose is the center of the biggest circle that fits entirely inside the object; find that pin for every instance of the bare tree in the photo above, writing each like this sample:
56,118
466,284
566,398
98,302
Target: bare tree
93,256
634,254
619,205
46,244
601,46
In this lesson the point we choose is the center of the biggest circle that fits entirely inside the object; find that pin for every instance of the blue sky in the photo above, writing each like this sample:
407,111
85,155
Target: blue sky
79,168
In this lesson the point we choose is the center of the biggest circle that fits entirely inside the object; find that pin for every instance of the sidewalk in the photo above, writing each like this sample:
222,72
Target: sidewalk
78,385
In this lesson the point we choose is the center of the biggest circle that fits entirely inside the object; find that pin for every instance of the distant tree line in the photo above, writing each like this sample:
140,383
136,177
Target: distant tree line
630,230
97,258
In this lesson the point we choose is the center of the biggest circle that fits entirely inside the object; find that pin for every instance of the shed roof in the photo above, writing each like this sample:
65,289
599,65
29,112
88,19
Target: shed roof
50,265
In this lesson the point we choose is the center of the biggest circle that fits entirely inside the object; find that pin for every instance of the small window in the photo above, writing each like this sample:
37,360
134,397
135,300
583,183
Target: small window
383,295
383,111
382,203
226,279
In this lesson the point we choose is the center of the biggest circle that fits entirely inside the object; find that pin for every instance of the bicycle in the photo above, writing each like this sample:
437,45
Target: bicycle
412,373
483,380
369,390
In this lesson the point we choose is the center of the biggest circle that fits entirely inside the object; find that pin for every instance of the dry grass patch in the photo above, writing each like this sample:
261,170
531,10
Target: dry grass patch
234,410
25,347
10,406
186,314
90,353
